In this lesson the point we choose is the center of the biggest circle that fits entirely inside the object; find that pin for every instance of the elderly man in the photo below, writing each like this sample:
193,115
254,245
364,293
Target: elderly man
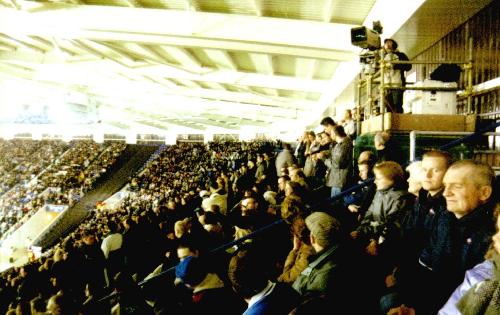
461,236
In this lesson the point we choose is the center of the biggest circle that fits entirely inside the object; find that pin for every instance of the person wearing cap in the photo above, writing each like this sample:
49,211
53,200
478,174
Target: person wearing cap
209,291
328,273
395,75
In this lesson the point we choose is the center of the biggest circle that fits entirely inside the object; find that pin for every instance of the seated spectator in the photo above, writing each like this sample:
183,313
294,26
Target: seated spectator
381,224
130,297
429,205
37,306
460,238
292,207
328,270
415,177
481,272
484,296
247,273
208,290
61,304
218,196
92,305
362,196
298,258
294,188
280,194
386,149
367,157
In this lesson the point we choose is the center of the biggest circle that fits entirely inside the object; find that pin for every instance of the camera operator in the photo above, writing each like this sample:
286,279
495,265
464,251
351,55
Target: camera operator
394,76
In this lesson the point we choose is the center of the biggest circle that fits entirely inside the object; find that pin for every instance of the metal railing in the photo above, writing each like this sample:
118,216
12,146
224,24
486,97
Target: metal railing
369,83
414,133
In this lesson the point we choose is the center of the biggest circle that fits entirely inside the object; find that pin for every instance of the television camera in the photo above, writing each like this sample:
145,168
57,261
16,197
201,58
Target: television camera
369,40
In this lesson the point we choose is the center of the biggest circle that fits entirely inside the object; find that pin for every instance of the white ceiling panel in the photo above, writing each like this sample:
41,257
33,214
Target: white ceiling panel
207,64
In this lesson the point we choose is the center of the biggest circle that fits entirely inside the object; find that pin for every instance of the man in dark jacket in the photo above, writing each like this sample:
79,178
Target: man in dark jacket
340,161
461,236
249,275
328,273
430,203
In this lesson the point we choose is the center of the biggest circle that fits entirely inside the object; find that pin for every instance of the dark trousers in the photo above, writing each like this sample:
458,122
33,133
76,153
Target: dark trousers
394,100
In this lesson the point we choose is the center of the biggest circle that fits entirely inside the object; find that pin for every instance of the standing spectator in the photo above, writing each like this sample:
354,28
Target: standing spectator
313,148
340,161
300,150
328,123
111,248
349,124
94,258
284,158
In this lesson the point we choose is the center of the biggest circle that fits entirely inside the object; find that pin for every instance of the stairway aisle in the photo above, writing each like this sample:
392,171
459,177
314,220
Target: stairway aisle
129,162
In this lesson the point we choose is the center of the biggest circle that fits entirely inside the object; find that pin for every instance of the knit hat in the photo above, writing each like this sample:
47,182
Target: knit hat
190,270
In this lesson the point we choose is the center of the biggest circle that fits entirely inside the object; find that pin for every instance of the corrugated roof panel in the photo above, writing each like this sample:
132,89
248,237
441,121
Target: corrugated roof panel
244,7
307,10
117,3
351,12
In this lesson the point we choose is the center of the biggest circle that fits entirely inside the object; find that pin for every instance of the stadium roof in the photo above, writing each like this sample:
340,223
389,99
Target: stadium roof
198,65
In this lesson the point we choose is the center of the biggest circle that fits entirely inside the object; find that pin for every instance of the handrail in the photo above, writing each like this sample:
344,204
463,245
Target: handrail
334,198
469,135
426,62
466,66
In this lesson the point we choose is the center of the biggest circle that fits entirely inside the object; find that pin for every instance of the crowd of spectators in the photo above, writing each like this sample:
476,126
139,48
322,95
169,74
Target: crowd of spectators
398,249
51,172
23,159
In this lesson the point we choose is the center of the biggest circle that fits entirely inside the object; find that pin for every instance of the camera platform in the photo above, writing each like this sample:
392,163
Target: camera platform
423,122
